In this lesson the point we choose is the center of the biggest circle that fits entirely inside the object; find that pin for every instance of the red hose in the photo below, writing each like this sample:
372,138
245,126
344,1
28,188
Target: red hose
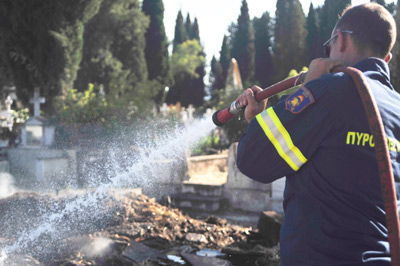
383,159
222,116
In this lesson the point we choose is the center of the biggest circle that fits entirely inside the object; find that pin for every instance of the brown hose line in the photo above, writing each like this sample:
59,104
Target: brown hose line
383,159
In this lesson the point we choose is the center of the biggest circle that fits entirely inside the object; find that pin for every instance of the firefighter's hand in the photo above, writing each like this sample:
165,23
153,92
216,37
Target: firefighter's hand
319,67
248,100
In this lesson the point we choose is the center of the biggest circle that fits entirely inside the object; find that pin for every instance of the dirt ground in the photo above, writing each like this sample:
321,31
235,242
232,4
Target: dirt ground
136,230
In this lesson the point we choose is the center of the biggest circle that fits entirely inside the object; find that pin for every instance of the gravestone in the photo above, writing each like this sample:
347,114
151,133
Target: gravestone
190,112
37,101
164,110
233,78
6,115
36,132
9,91
6,119
183,115
35,164
246,194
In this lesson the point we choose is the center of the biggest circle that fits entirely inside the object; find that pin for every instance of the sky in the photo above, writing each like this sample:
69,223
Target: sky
214,17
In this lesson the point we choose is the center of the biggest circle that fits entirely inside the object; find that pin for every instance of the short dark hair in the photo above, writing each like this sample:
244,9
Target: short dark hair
373,28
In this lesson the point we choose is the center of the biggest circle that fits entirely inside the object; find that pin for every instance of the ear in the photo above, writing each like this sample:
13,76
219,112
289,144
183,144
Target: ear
388,57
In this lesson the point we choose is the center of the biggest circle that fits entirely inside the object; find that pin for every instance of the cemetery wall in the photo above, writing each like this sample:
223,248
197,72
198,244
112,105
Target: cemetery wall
39,168
246,194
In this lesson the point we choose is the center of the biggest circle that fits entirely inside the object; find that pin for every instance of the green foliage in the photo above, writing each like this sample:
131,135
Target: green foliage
187,58
290,34
71,40
195,30
330,13
92,106
187,66
243,45
292,73
313,40
156,51
81,107
180,32
114,49
196,93
20,116
216,78
264,66
207,145
225,58
188,28
41,44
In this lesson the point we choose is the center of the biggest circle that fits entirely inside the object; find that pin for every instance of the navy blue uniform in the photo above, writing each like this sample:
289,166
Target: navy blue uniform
319,138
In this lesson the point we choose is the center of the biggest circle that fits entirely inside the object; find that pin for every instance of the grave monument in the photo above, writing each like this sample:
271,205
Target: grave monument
35,164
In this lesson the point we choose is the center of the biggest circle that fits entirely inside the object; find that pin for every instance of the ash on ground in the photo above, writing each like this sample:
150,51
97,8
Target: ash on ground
136,230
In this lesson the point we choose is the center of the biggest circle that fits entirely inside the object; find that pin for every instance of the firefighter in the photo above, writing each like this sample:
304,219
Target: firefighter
319,138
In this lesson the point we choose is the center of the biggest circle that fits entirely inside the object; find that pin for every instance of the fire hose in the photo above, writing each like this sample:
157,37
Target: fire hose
381,147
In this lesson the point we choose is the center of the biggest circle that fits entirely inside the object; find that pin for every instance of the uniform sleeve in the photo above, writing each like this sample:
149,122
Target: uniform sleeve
280,140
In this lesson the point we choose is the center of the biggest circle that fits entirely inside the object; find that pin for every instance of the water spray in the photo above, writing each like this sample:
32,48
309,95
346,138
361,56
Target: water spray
81,212
381,148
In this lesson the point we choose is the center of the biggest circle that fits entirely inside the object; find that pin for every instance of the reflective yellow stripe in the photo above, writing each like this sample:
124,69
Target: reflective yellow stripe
280,138
286,135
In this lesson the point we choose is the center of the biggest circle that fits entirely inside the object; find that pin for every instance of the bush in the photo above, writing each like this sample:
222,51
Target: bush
81,107
208,145
91,115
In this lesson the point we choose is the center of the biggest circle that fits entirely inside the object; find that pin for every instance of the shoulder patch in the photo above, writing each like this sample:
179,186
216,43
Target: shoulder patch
299,100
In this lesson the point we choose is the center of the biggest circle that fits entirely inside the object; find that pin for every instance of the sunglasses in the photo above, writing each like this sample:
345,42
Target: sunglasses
327,44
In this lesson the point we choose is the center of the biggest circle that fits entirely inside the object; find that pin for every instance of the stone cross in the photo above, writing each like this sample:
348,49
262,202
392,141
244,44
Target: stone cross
37,100
101,91
209,112
190,112
8,103
184,115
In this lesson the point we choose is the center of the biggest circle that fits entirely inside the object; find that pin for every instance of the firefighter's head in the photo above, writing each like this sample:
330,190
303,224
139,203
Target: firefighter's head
362,31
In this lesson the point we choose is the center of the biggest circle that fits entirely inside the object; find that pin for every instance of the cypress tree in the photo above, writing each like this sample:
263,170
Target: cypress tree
188,70
197,96
216,78
197,91
224,58
41,44
188,27
263,59
114,50
156,50
243,45
180,32
290,34
314,48
195,30
330,13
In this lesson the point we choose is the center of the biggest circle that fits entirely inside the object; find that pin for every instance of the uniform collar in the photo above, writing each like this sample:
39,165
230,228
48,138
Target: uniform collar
374,64
376,68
